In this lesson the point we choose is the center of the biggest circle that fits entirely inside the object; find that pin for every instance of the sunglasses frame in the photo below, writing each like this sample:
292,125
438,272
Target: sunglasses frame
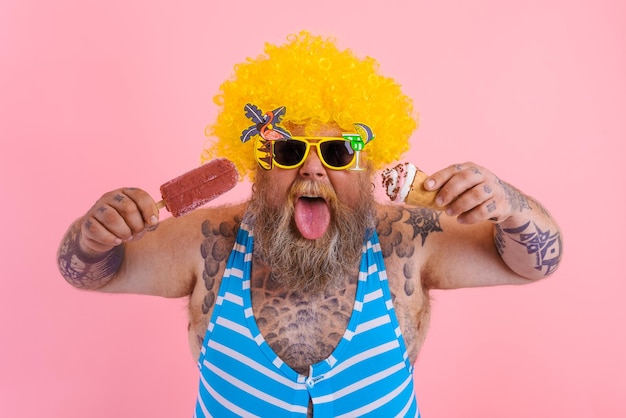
318,141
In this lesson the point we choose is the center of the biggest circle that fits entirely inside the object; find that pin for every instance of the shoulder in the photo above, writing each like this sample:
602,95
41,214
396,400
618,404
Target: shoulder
216,224
406,240
402,228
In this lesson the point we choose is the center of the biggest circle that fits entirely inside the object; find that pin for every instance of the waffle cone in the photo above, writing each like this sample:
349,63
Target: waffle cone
418,195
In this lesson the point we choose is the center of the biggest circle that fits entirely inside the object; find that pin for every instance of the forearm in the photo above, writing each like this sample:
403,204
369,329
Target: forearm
529,241
84,270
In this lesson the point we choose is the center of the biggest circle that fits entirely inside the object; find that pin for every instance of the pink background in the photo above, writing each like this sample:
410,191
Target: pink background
98,95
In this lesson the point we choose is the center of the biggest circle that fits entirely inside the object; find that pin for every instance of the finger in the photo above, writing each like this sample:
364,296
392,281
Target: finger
441,177
128,210
480,213
97,237
470,199
146,205
113,221
463,179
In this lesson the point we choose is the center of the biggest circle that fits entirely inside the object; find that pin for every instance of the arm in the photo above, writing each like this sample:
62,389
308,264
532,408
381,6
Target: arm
500,235
119,246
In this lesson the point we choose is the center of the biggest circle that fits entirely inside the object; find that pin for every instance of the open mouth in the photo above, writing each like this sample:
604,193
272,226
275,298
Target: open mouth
312,199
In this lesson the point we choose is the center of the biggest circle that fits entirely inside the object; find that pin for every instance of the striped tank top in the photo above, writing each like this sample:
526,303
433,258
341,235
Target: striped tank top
367,375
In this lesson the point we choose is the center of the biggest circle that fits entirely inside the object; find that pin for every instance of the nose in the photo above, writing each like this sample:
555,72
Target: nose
312,168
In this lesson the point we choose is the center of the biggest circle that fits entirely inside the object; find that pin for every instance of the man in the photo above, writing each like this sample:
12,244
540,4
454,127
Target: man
312,298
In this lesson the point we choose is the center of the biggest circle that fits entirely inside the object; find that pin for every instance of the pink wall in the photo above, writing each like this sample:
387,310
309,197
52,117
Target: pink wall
97,95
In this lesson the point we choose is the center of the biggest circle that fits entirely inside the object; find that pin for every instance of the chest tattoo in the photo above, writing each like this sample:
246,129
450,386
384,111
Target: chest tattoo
301,328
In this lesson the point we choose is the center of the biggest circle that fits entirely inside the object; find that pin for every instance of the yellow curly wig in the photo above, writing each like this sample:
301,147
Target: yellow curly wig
319,85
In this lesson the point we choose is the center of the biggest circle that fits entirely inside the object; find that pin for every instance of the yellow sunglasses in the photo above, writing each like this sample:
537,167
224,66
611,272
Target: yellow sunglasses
334,153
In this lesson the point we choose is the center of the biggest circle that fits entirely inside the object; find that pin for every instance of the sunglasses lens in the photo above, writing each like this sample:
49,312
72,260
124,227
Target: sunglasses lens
337,153
289,152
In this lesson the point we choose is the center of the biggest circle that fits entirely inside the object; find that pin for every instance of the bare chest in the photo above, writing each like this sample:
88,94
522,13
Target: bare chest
303,329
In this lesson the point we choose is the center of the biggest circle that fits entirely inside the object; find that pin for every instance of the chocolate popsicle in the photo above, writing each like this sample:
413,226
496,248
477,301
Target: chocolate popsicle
198,186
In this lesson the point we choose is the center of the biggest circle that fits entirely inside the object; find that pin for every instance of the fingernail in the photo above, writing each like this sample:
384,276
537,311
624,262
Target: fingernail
117,241
430,183
153,220
439,201
449,211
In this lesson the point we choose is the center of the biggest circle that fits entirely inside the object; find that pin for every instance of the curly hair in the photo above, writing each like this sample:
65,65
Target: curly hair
319,85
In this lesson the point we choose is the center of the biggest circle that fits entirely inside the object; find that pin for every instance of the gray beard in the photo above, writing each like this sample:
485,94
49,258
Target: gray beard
300,264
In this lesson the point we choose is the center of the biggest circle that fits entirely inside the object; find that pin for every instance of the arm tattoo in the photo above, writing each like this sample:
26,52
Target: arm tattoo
499,240
544,245
516,199
85,271
424,222
541,208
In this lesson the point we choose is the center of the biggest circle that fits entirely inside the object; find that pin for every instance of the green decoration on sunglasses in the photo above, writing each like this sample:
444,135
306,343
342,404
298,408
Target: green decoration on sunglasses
358,141
275,146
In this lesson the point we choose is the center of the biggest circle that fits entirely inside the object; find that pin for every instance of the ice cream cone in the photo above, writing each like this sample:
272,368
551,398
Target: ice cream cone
418,195
404,183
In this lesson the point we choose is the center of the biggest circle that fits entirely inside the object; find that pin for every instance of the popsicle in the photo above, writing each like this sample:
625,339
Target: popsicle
198,186
404,183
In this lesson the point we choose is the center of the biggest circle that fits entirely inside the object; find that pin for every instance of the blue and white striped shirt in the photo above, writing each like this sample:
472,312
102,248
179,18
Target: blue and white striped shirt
368,373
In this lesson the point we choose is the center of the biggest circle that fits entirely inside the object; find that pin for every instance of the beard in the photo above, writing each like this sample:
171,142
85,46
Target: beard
305,265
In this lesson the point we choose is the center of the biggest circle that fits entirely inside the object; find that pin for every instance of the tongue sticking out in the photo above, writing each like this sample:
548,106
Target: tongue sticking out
312,217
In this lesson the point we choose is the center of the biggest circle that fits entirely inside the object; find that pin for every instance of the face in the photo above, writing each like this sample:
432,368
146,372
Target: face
318,213
341,181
